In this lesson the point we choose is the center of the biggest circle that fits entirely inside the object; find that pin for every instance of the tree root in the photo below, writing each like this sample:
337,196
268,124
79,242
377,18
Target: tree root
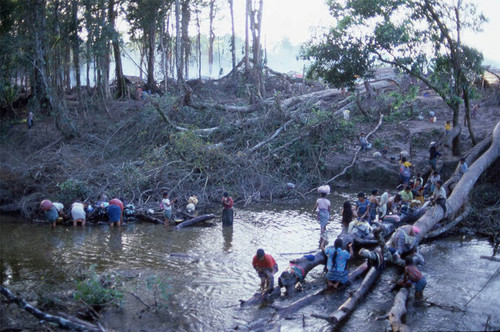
467,210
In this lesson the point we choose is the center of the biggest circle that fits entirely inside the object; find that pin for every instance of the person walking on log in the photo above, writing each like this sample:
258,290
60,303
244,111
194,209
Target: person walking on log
412,275
439,196
336,263
227,212
266,268
323,208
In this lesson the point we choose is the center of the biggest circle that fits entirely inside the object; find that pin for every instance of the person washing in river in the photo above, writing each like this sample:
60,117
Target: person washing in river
336,263
323,208
78,213
362,206
348,213
52,211
266,268
227,212
412,275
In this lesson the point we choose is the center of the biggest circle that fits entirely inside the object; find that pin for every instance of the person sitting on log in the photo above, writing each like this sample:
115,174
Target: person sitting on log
403,240
266,268
418,191
360,229
382,205
439,196
406,198
412,275
227,212
336,263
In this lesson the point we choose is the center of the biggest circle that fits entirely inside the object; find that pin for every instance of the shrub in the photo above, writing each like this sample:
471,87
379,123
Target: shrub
96,291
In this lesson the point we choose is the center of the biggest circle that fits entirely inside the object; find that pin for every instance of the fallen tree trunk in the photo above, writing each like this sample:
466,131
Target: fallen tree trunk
289,279
148,218
65,323
261,297
347,307
193,221
451,224
461,191
398,310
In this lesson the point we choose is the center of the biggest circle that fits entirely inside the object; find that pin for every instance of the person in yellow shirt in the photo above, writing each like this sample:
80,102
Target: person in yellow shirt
404,171
447,128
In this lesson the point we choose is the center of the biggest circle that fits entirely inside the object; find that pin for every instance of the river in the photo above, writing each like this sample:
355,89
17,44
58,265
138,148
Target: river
201,273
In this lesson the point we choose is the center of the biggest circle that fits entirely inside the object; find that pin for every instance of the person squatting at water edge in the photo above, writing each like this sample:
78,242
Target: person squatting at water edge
266,267
227,212
413,276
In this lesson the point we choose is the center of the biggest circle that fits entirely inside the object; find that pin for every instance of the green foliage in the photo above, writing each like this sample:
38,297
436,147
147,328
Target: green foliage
399,104
194,150
94,290
378,143
160,290
72,189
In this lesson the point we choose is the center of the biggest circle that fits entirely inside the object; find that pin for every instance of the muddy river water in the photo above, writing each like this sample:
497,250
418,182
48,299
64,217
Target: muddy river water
194,278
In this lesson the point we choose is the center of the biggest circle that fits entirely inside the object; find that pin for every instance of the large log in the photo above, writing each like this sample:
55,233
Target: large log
398,310
148,218
65,323
193,221
288,278
347,307
461,191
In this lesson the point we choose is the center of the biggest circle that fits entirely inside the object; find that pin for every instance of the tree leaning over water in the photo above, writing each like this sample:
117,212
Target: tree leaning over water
419,37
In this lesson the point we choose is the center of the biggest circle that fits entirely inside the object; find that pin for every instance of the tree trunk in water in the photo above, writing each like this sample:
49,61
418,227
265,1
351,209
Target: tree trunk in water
211,37
195,220
120,79
233,46
467,117
398,310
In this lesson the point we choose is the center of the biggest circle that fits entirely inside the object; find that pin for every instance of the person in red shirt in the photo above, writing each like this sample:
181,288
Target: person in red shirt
266,267
413,276
227,212
116,201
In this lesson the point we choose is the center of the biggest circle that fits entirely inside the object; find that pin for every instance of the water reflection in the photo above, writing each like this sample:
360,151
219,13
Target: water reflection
115,239
227,233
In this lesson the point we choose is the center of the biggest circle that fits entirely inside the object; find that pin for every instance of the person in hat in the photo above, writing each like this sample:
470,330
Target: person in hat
266,268
336,263
403,240
227,211
323,208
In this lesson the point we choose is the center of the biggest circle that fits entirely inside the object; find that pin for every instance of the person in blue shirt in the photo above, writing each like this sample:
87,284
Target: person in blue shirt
336,263
463,167
362,206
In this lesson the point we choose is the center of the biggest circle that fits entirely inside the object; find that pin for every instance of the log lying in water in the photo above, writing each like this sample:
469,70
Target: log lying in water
288,278
148,218
398,310
262,297
193,221
66,323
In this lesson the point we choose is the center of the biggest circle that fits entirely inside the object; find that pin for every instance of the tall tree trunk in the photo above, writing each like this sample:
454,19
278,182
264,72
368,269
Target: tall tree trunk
456,148
120,79
151,42
247,38
467,116
255,17
198,42
163,54
211,37
186,42
178,44
233,46
75,43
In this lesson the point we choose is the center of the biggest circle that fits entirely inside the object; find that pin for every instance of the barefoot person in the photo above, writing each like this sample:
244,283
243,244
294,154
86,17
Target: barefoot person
166,204
413,276
266,267
227,212
336,263
439,196
115,212
78,213
323,208
52,211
